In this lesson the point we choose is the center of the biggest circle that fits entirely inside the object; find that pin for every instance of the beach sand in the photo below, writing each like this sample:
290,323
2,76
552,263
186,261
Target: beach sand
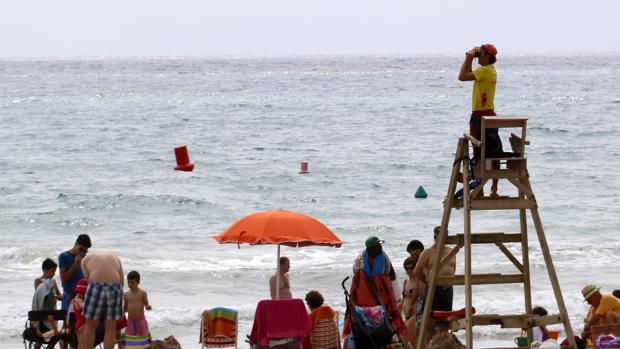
187,336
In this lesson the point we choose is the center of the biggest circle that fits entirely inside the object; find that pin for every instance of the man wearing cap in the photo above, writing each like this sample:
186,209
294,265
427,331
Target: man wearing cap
605,308
70,267
485,79
372,279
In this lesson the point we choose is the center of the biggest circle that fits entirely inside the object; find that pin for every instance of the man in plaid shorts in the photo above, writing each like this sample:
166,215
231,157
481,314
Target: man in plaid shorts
104,296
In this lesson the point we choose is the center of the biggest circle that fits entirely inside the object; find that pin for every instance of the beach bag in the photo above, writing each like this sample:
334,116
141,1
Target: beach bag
167,343
368,336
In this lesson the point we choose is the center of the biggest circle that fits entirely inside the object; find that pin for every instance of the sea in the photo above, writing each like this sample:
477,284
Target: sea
87,147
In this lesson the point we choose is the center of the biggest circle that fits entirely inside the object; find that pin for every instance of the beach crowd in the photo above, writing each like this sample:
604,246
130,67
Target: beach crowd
374,290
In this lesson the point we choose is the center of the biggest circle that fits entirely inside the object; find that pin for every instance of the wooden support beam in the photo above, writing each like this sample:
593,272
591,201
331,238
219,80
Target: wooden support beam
519,139
480,279
545,320
502,204
553,277
462,152
475,141
507,321
503,122
510,256
450,255
504,321
484,238
522,187
505,173
476,192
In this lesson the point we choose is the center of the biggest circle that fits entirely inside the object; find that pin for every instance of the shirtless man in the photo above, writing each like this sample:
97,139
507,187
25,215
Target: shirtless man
442,300
285,285
104,296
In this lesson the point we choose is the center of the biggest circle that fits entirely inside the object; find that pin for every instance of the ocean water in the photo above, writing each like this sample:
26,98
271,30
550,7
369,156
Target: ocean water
87,147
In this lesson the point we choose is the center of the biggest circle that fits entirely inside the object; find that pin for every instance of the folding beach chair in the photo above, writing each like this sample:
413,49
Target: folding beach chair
32,335
218,328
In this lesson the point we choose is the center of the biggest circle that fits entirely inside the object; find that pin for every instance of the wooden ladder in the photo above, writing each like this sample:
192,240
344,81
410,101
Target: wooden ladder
514,170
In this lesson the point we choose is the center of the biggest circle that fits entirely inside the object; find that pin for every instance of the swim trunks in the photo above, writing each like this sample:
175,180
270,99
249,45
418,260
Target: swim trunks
103,301
137,326
442,299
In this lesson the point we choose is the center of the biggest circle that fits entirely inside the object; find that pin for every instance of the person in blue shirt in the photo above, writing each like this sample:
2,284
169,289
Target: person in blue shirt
69,263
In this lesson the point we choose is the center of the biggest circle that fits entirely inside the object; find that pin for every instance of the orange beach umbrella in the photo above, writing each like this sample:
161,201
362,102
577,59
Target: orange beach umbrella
278,227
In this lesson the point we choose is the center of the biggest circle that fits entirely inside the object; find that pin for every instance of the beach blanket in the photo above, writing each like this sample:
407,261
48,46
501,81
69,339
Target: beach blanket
218,327
282,318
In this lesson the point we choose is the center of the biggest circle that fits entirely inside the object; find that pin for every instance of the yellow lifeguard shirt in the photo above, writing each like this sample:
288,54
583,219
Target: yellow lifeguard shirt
484,88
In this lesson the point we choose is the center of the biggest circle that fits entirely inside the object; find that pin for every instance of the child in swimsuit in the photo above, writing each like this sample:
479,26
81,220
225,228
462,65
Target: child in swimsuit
78,306
135,301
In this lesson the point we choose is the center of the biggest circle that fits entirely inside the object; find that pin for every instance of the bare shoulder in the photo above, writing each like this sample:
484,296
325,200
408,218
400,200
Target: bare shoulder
425,254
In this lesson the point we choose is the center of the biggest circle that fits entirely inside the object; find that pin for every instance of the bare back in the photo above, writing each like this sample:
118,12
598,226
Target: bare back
103,267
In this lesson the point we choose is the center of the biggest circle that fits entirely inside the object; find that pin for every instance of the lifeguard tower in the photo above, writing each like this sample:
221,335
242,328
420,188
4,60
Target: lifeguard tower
514,170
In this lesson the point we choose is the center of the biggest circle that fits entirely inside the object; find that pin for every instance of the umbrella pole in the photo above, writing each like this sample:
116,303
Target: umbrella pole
278,274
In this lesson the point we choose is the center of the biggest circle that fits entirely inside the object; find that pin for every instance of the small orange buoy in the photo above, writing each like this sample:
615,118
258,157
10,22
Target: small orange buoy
304,168
182,156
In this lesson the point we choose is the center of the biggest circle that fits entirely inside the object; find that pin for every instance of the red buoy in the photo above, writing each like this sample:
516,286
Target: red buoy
182,156
304,168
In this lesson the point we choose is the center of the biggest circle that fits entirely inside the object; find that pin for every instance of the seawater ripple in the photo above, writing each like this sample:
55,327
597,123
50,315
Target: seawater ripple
87,147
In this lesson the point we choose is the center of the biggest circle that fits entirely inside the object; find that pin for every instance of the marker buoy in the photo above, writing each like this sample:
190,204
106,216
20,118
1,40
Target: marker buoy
421,193
182,156
304,168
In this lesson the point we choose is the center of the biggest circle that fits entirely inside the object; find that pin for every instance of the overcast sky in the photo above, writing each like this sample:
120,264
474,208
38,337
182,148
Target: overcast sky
294,27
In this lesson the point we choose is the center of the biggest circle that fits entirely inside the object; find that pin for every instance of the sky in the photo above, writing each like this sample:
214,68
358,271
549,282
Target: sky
69,28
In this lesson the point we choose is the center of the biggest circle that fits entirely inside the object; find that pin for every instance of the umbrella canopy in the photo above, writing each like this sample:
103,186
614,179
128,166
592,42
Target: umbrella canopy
278,227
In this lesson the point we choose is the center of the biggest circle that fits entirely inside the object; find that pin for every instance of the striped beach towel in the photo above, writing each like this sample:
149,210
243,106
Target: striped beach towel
218,328
136,342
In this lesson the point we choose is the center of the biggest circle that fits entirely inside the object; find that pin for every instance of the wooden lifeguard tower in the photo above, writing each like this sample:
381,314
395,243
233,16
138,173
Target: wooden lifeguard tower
514,170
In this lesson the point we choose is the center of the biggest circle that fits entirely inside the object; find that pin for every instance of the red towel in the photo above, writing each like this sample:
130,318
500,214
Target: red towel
281,318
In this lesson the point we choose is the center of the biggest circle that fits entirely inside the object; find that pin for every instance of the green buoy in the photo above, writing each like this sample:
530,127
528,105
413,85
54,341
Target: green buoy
421,193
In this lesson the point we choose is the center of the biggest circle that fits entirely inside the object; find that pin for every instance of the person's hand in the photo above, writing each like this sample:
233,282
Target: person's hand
471,53
148,307
58,297
78,260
